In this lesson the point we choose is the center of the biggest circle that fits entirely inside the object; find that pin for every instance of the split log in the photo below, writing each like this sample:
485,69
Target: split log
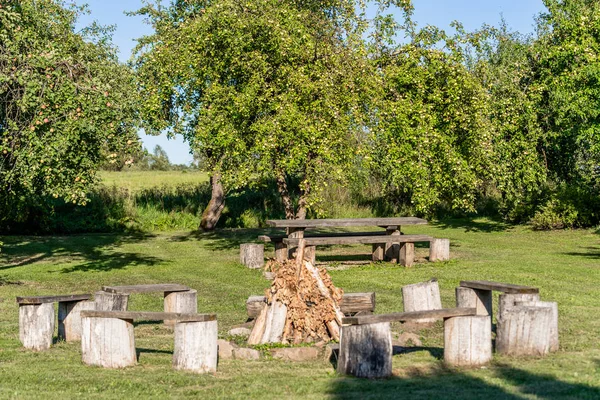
475,298
36,325
254,305
421,297
332,326
407,254
108,342
252,255
468,340
69,319
106,301
439,250
553,331
180,302
259,327
275,322
523,331
366,350
196,346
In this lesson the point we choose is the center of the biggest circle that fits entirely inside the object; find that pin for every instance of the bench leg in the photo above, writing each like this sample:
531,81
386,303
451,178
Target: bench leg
281,252
366,350
108,342
524,331
439,250
106,301
468,341
180,302
69,319
36,325
553,331
310,254
509,300
378,251
407,254
475,298
196,346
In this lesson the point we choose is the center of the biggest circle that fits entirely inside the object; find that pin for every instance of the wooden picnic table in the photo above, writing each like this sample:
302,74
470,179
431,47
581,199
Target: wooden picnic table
296,227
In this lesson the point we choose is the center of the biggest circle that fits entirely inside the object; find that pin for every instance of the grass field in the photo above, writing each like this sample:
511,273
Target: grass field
565,265
135,181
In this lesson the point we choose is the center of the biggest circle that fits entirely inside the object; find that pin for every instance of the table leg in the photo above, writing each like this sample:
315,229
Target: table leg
392,250
294,233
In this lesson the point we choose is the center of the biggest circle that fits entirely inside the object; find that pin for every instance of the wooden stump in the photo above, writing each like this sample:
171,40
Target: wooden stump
310,254
553,331
523,331
508,300
252,255
281,252
254,305
106,301
181,302
196,346
366,350
422,296
439,250
36,325
378,251
108,342
468,340
475,298
69,319
407,254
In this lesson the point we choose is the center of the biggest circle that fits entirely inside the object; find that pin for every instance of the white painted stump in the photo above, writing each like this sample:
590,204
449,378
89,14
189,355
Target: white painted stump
421,297
553,331
468,341
69,319
475,298
523,331
366,350
407,254
36,325
108,342
508,300
181,302
106,301
196,346
439,250
252,255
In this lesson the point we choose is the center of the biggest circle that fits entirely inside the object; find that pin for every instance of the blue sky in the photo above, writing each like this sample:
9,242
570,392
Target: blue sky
519,14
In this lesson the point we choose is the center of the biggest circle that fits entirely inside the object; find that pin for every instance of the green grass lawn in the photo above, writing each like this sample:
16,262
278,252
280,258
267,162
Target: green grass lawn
135,181
565,265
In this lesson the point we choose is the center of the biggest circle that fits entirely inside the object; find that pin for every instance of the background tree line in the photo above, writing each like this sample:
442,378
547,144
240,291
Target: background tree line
311,95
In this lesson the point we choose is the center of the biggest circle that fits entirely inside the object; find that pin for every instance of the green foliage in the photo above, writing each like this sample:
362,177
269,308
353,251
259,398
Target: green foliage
67,105
262,89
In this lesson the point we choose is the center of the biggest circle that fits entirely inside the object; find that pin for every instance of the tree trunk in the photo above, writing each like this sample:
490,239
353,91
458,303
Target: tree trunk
215,206
285,196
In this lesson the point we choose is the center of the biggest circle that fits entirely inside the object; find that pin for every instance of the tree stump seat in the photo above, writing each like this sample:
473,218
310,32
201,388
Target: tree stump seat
37,320
384,245
108,339
366,341
177,298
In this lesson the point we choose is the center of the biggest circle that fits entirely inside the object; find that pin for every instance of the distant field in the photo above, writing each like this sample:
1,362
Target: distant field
138,180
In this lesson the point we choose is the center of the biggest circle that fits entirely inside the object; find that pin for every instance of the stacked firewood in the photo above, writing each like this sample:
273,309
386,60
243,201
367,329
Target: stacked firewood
302,305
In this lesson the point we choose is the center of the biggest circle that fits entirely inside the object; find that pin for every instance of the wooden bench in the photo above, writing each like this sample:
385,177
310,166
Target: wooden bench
108,340
366,341
177,298
352,303
36,319
384,246
525,325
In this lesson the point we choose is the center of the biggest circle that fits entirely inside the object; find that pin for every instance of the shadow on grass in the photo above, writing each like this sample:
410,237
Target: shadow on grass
592,252
95,251
473,225
441,382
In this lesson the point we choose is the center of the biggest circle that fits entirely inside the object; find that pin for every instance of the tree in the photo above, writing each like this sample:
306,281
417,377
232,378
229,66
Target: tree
260,89
66,105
